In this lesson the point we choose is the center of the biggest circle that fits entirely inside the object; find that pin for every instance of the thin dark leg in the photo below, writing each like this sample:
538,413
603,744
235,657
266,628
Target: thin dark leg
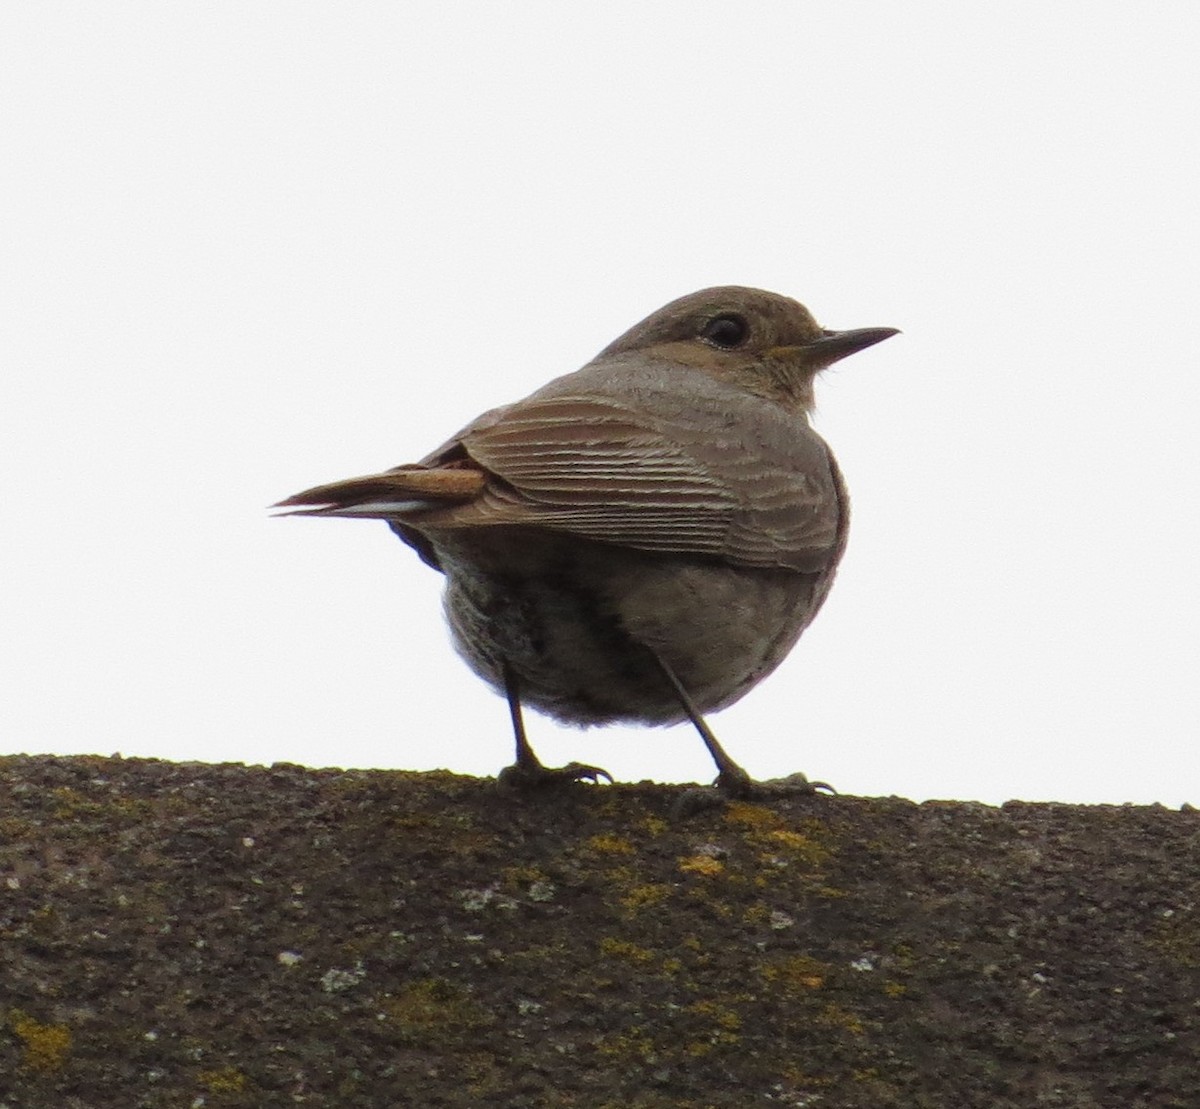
527,772
732,780
526,759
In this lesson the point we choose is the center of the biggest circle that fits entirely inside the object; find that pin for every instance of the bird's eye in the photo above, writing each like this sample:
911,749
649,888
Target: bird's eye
726,331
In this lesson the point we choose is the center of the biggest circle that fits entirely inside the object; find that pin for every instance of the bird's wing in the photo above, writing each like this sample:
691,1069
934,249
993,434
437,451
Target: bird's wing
666,460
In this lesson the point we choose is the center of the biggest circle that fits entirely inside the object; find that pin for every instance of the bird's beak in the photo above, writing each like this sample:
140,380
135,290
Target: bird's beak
832,346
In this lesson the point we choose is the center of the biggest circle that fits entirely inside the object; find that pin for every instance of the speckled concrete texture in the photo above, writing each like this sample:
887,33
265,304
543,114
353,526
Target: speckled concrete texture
205,936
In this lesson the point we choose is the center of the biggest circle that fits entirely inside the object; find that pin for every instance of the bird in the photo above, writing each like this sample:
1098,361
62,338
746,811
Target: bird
642,540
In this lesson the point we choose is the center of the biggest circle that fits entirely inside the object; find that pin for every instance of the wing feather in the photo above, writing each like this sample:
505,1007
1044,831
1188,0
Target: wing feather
659,458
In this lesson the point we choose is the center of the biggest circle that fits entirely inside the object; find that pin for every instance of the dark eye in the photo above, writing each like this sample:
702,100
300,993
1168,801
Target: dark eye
727,331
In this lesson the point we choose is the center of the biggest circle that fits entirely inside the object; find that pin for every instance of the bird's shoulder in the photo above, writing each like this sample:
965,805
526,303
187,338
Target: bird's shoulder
633,400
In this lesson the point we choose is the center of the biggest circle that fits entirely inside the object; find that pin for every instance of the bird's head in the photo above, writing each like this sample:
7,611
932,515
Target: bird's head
767,344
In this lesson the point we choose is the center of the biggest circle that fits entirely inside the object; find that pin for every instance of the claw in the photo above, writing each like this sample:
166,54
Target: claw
741,787
535,776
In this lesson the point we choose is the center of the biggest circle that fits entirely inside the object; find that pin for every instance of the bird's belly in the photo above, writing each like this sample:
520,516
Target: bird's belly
577,625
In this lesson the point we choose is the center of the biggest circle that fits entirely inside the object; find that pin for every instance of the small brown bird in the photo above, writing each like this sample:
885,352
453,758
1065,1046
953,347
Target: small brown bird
641,540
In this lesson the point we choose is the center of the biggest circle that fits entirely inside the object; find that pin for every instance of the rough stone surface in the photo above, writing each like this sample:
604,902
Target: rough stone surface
194,935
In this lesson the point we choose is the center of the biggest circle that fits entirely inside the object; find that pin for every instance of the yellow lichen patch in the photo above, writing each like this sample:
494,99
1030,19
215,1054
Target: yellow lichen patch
894,989
116,808
483,1076
72,805
655,825
722,1016
701,864
623,949
778,843
741,814
799,1079
521,877
796,972
44,1046
699,955
802,847
841,1018
608,844
720,1027
12,828
758,913
227,1080
633,1043
831,892
432,1010
645,896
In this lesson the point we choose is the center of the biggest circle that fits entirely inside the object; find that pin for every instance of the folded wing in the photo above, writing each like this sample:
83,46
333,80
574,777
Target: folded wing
617,455
641,454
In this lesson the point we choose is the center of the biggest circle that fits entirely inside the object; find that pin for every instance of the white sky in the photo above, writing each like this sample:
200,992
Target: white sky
252,247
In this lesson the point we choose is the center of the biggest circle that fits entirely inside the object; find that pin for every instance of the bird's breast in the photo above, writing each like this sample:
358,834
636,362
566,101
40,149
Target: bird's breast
577,620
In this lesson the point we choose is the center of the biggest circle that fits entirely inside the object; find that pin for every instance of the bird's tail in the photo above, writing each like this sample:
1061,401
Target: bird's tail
390,495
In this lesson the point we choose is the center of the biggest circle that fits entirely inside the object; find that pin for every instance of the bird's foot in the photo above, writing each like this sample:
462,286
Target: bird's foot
531,776
734,784
741,787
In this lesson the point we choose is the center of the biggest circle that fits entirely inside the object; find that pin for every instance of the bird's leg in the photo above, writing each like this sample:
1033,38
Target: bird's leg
732,781
527,772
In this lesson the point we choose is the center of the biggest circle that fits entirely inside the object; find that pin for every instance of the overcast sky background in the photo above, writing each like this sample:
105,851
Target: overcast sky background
248,248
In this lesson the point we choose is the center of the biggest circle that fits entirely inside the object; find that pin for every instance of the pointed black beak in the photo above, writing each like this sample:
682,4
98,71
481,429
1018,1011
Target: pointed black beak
833,345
